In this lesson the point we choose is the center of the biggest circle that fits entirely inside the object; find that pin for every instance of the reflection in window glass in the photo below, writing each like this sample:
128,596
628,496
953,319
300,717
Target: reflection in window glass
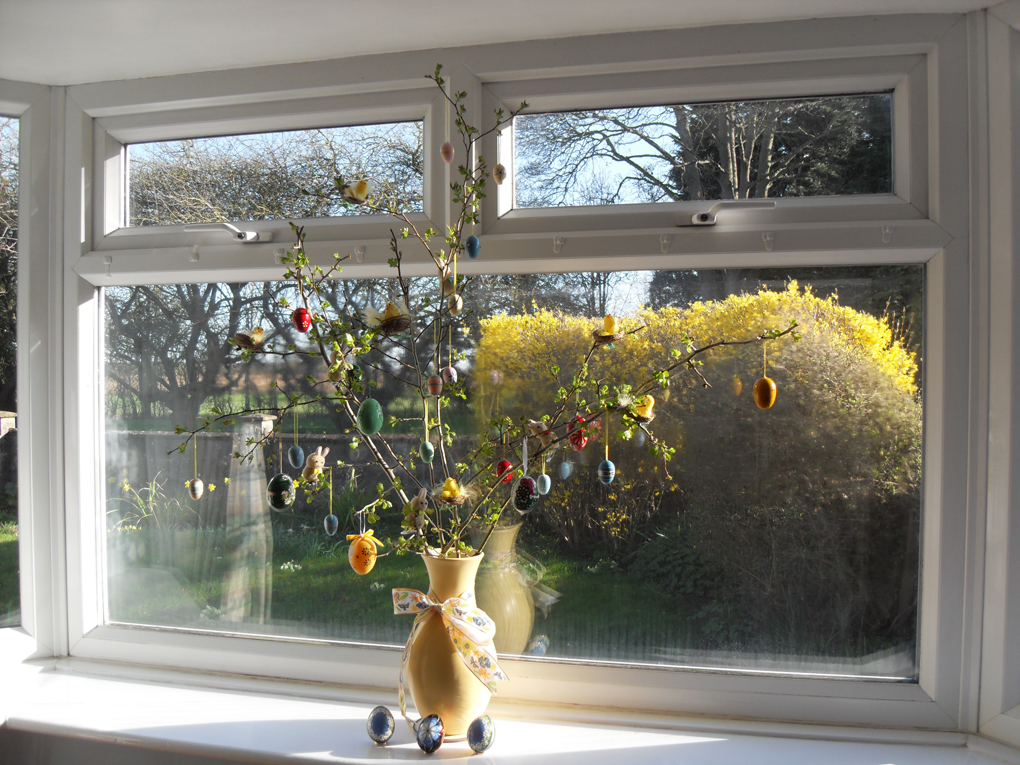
10,593
265,176
784,539
732,150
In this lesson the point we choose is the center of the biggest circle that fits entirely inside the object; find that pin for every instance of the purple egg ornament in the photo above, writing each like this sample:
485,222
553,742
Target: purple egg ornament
449,374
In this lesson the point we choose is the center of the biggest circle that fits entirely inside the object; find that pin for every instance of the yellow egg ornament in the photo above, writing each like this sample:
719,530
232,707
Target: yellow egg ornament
363,551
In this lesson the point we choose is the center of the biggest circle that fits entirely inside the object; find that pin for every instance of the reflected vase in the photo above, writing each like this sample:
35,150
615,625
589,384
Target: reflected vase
502,591
437,678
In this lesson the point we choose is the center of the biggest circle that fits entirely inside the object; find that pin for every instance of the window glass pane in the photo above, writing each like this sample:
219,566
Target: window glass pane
784,539
265,176
10,593
733,150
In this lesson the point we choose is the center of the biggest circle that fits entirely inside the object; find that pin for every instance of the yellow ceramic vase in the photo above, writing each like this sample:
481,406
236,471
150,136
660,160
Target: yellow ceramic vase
502,593
437,678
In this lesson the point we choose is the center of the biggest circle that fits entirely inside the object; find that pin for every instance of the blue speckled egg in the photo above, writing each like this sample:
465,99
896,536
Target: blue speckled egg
331,524
429,731
280,492
426,451
566,468
525,495
380,725
607,472
544,483
640,437
296,456
472,246
480,733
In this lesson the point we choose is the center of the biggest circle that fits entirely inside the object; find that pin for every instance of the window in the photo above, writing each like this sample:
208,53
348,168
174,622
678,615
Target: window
269,176
732,150
913,241
785,539
10,595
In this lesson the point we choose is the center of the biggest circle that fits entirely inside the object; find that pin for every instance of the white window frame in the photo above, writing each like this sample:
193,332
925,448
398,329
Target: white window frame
923,59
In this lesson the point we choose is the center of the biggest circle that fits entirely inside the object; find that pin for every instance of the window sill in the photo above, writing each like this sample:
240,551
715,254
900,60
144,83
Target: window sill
274,722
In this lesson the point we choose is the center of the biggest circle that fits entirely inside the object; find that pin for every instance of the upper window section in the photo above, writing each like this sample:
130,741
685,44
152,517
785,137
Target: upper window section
801,147
266,176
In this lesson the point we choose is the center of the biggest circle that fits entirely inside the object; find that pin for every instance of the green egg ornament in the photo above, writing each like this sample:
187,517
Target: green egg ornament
426,451
370,417
280,492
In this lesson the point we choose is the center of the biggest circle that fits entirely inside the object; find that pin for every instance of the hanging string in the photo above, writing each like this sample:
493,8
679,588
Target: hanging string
194,453
607,434
279,443
295,429
446,99
764,363
524,458
426,418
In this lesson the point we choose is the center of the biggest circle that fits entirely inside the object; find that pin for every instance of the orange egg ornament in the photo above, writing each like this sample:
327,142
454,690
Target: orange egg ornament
736,385
363,551
765,393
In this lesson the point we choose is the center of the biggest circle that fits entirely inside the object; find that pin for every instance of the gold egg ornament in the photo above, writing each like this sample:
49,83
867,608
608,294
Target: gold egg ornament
765,393
736,385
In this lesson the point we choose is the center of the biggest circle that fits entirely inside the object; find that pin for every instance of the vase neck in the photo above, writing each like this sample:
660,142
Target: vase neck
452,577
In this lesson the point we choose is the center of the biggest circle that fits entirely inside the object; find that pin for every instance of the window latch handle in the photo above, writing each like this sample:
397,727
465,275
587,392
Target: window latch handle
708,218
247,237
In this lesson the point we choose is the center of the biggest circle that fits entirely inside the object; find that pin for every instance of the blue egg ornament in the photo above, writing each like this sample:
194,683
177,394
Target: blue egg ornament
472,246
380,725
544,484
280,493
426,451
525,495
296,456
566,468
640,438
480,734
331,524
607,472
429,731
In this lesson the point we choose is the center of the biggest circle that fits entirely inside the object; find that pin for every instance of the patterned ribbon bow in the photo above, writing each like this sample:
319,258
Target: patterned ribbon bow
469,627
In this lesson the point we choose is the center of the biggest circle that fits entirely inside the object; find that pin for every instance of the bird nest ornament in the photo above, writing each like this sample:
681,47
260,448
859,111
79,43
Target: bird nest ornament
393,319
610,333
450,493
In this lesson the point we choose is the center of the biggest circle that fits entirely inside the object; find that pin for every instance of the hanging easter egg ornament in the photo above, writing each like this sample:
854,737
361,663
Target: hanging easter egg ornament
640,437
566,469
577,434
503,471
446,152
363,551
472,246
296,456
764,390
380,725
499,174
456,304
301,319
736,385
435,385
331,524
429,732
765,393
426,451
449,374
607,472
370,417
544,483
280,493
480,734
525,495
196,488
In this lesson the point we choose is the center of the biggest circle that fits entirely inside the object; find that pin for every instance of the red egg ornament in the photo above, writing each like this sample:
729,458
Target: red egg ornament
301,319
503,471
435,385
446,152
577,433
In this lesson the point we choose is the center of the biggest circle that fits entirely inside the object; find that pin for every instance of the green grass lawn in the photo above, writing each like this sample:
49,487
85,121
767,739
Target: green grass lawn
10,593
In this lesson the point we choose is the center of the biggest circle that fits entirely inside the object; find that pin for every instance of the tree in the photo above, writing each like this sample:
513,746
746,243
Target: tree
8,262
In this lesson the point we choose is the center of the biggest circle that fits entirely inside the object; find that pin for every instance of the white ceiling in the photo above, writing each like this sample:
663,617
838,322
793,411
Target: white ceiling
64,42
